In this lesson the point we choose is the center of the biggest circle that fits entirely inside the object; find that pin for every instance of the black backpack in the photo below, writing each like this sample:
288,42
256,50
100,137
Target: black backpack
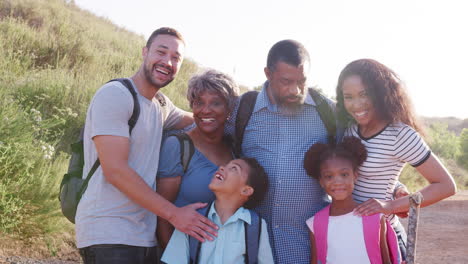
247,104
73,185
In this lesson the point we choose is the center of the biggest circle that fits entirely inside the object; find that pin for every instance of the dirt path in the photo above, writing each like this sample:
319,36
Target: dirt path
442,234
443,231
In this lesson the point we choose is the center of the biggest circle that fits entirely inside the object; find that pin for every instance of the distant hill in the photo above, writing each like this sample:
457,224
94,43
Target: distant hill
56,37
454,124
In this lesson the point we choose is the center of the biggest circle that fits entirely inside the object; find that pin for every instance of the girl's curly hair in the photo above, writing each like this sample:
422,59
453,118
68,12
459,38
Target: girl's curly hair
385,89
350,148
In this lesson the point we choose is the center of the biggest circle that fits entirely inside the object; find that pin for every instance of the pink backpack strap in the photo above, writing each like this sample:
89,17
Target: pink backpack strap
392,242
321,233
371,227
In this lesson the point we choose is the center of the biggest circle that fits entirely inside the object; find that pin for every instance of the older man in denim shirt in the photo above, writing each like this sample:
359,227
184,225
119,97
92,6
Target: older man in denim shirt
283,125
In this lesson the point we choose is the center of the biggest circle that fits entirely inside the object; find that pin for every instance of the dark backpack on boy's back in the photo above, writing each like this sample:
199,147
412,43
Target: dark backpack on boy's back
73,185
252,238
247,104
252,231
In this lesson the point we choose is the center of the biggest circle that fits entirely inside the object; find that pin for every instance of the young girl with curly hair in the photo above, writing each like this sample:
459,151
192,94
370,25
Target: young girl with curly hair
337,235
372,98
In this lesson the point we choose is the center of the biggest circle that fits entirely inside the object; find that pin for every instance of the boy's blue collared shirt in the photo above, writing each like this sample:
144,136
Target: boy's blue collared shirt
227,248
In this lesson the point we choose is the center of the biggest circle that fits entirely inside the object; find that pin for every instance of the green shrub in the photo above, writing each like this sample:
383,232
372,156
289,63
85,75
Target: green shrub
463,159
443,142
54,57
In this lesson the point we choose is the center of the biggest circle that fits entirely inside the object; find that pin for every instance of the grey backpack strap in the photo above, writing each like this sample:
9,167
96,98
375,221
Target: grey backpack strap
252,238
195,245
244,112
326,114
162,102
187,149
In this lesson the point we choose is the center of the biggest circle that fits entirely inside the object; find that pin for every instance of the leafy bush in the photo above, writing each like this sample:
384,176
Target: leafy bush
443,142
54,57
463,159
449,148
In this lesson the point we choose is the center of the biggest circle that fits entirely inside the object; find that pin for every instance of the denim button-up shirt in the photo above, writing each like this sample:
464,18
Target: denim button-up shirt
279,141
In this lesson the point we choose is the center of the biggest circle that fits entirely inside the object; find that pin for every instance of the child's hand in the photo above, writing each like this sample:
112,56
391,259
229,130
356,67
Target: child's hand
374,206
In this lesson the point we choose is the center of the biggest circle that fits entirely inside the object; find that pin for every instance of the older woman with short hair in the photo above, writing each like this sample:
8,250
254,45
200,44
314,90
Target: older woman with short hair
212,96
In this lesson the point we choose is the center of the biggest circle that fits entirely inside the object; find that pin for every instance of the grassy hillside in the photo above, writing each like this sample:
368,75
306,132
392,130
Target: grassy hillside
54,57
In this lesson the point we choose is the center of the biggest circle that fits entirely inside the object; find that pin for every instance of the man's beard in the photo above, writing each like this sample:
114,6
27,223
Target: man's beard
293,108
153,82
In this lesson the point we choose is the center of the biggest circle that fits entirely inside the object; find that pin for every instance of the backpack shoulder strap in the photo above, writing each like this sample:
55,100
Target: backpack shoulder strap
162,102
326,114
371,227
131,124
321,233
136,104
195,245
187,149
392,242
252,237
244,112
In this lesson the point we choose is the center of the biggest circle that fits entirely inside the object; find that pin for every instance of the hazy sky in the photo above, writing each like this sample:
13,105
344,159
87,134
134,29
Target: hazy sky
424,41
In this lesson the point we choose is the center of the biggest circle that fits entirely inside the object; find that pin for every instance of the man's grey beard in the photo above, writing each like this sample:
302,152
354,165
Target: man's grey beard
291,109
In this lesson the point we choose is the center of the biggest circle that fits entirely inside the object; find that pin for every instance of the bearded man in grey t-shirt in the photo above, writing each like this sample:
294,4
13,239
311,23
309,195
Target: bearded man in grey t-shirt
116,217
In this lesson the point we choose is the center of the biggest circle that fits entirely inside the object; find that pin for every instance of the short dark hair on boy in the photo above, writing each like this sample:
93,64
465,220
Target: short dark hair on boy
164,31
258,180
350,148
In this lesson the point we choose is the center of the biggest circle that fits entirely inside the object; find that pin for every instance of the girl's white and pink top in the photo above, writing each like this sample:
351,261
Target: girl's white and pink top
345,239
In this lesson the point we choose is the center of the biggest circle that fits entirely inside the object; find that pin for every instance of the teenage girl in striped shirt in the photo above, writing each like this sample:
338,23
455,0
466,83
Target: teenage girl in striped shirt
372,100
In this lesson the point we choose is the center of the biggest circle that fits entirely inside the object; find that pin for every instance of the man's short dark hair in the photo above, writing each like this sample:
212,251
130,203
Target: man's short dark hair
258,180
164,31
289,51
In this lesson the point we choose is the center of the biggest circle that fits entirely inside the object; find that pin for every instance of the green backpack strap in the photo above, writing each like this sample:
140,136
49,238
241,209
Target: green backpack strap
244,112
187,149
326,114
73,186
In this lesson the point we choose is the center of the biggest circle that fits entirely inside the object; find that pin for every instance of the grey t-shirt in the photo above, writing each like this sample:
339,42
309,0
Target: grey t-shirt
105,215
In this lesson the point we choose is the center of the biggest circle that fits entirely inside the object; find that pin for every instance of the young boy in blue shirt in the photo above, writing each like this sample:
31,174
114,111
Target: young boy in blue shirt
241,183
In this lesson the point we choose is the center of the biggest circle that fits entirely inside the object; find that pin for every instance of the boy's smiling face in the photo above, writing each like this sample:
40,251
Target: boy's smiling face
231,178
